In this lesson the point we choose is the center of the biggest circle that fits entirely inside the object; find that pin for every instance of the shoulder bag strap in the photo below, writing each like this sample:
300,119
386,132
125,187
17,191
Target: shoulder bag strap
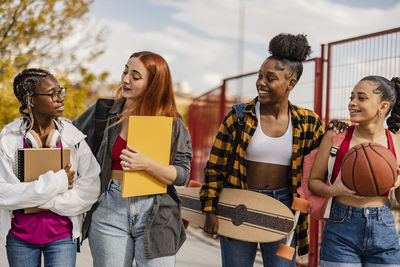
240,125
103,106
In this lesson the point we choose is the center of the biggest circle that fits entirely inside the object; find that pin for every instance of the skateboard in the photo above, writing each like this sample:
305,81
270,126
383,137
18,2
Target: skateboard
242,214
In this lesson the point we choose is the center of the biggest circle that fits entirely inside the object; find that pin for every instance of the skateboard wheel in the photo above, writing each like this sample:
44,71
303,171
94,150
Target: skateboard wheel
285,252
300,205
194,183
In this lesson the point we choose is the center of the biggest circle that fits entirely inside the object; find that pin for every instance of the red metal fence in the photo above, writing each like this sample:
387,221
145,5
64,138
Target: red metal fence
208,110
347,62
352,59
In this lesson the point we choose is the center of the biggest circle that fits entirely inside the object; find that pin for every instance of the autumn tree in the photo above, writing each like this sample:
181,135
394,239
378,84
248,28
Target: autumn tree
56,35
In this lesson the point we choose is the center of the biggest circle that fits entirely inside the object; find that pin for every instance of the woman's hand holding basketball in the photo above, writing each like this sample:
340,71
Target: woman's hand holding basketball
70,175
397,182
339,189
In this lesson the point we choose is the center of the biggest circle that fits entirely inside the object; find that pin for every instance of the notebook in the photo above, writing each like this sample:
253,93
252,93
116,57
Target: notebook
32,162
151,135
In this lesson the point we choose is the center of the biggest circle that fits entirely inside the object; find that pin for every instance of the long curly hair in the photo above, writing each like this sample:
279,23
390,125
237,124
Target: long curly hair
389,91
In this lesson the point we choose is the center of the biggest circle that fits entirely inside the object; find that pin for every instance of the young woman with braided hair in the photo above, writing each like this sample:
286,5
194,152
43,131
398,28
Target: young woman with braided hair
62,196
360,230
276,136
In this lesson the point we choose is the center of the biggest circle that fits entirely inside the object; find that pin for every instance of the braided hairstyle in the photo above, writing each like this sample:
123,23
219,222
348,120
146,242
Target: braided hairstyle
25,85
393,121
291,50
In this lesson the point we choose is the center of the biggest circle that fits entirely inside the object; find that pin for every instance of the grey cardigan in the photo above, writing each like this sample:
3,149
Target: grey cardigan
164,233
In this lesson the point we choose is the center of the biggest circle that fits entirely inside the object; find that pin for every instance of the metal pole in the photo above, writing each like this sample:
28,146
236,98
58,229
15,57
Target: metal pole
328,87
240,46
222,102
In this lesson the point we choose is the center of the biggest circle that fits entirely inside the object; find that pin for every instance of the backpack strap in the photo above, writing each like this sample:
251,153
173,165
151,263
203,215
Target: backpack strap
337,139
103,106
240,125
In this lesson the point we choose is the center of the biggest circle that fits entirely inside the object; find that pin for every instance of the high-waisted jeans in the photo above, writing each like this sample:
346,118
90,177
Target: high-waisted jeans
116,234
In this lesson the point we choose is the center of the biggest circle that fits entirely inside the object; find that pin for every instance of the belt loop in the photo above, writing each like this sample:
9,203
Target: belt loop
349,212
109,184
379,211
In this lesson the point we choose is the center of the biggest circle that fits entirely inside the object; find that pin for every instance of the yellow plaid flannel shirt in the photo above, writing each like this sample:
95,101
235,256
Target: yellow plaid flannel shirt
307,134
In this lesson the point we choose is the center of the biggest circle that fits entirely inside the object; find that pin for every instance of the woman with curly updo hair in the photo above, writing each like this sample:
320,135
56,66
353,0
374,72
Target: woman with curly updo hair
268,158
360,230
53,230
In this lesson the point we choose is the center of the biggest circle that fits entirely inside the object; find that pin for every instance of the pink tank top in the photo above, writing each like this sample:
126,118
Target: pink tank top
345,146
42,227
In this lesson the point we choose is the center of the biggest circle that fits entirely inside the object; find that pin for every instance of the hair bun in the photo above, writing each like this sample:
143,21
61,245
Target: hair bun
289,46
396,82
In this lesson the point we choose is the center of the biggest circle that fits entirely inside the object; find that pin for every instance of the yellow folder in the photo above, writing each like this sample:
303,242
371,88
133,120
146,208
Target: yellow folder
151,135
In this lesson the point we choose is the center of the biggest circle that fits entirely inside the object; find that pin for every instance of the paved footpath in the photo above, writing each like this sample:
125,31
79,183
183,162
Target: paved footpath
198,251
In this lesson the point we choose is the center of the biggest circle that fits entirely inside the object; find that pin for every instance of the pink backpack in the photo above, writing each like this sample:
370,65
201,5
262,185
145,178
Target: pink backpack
319,207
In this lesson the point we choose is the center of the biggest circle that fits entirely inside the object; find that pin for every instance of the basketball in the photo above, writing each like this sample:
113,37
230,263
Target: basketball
369,169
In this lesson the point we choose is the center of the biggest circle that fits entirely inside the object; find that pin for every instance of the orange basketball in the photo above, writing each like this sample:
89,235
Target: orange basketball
369,169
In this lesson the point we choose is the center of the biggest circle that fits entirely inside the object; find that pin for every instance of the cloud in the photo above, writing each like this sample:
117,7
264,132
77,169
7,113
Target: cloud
265,18
190,57
201,41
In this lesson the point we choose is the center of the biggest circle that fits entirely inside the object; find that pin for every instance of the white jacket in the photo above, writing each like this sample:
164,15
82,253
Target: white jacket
50,191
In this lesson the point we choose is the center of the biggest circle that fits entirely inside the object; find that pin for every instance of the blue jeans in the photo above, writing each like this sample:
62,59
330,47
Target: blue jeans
242,254
116,234
360,237
55,254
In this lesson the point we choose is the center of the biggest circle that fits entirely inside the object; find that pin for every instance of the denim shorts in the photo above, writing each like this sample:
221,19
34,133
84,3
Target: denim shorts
237,253
360,237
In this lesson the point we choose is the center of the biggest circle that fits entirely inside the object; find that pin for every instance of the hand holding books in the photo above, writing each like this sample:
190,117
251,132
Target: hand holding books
133,159
70,175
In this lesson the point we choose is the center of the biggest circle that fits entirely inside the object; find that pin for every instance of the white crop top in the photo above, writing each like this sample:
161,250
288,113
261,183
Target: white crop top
275,150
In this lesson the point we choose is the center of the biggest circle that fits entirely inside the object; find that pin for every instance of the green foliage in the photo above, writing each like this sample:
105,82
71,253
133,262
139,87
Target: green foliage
78,96
8,107
55,35
46,32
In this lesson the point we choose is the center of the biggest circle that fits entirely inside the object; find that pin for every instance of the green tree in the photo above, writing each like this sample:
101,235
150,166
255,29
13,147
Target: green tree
79,95
56,35
47,32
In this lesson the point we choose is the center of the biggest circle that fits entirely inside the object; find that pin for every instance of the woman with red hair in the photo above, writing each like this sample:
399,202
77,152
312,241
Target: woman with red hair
147,228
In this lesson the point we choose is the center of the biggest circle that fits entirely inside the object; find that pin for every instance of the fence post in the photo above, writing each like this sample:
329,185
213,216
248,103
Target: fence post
222,102
328,85
318,83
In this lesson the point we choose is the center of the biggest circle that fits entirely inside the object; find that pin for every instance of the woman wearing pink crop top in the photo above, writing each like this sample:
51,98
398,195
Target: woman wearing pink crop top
360,230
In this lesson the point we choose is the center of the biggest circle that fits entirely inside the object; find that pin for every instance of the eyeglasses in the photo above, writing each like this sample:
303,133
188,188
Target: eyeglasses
57,94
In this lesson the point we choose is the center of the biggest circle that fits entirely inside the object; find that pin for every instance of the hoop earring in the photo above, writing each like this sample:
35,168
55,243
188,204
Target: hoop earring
379,113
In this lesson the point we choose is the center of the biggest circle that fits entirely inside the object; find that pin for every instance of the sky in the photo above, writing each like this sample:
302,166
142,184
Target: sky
200,39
